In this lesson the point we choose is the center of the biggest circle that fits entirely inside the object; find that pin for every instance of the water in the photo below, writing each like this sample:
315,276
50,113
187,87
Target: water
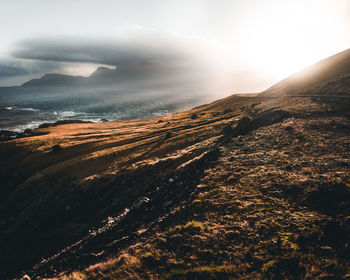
22,108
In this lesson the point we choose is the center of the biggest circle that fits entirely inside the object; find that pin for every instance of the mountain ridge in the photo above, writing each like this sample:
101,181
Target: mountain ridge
104,76
54,79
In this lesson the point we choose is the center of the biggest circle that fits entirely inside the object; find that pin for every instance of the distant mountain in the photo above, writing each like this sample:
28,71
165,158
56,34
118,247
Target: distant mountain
55,80
149,72
317,75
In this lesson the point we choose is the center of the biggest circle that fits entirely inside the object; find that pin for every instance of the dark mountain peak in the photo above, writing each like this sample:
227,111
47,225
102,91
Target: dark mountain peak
102,70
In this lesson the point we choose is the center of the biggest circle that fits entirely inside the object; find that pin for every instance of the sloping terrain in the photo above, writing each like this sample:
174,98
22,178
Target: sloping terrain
243,187
248,187
325,71
50,199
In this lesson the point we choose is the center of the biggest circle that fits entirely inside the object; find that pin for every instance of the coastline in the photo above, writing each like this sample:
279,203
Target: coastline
6,135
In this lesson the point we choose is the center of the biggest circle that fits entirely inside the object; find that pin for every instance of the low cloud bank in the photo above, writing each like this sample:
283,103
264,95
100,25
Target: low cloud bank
161,47
206,63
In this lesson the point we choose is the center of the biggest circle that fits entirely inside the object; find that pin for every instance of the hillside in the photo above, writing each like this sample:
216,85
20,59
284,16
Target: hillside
248,187
323,72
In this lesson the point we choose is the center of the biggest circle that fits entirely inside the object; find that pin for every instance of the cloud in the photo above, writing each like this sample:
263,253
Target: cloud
138,46
203,62
11,68
21,67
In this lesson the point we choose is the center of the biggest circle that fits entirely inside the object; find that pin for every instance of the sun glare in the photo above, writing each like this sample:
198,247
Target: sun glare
281,43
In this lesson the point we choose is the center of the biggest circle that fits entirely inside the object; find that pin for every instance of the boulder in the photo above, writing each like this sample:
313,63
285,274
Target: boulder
56,148
227,130
6,135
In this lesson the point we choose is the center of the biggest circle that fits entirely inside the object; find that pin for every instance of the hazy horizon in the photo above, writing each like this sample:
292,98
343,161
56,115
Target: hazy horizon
242,46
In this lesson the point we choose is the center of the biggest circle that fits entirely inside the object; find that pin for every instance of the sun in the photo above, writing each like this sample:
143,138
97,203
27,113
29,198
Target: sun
281,43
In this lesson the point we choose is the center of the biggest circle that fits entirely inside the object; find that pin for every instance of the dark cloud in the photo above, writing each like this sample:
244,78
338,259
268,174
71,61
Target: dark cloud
20,67
17,71
9,69
200,61
162,47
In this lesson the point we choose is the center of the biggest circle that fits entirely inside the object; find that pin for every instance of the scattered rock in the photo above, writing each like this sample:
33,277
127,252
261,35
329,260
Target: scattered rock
227,130
104,120
6,135
168,135
289,168
289,128
243,126
268,117
140,201
326,250
194,116
56,148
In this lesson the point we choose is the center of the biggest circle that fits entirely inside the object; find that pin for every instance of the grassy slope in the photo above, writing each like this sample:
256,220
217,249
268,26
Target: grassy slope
51,199
269,203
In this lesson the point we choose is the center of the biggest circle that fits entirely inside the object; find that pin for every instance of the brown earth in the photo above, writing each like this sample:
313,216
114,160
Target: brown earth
244,188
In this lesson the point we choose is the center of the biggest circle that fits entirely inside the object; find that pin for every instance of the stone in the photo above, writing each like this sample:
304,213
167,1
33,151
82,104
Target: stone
227,130
194,116
56,148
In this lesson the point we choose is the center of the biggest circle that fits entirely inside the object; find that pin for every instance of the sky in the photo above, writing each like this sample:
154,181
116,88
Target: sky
246,44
